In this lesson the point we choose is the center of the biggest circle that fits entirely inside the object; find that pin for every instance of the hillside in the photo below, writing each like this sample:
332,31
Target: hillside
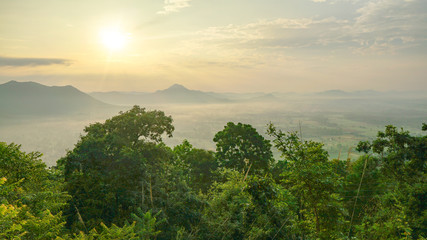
34,99
175,94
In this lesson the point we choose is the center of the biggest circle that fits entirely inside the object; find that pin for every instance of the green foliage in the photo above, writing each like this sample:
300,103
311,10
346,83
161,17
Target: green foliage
122,165
389,220
18,222
371,186
109,171
240,146
312,179
247,208
399,210
107,233
180,205
145,224
198,164
132,127
38,187
114,232
142,228
125,183
364,146
31,196
16,165
10,223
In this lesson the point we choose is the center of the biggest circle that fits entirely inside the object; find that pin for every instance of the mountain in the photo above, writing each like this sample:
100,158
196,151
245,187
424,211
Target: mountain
237,97
34,99
176,89
332,93
340,93
180,94
175,94
265,98
121,98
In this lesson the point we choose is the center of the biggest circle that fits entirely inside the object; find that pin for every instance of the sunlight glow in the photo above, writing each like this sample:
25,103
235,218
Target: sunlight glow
114,39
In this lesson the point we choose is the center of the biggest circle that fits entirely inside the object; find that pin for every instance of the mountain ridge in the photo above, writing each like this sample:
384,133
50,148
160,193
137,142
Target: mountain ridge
175,94
34,99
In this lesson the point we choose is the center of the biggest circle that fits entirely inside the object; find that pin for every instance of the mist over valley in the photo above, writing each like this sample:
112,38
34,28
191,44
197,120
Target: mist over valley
51,119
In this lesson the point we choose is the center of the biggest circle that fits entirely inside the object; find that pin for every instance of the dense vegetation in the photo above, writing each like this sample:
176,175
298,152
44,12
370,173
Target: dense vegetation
122,182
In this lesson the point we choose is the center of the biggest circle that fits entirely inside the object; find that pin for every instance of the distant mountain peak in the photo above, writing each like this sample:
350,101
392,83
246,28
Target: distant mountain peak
16,84
13,82
17,98
177,87
334,91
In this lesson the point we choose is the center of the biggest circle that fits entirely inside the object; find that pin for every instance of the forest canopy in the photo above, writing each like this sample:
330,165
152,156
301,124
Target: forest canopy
121,181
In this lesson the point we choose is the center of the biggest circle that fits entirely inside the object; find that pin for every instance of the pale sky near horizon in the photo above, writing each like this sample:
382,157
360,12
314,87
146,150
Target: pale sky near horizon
221,45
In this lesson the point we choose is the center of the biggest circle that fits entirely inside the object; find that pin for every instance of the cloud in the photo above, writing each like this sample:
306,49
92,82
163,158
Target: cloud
278,33
379,27
390,25
387,29
257,44
20,62
338,1
171,6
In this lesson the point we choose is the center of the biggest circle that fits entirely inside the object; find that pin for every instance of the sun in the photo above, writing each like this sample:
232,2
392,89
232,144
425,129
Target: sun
114,39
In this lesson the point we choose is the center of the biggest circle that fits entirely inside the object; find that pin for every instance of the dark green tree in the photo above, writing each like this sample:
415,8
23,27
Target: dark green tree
31,197
40,187
122,165
399,209
198,164
247,207
312,179
180,205
111,170
239,146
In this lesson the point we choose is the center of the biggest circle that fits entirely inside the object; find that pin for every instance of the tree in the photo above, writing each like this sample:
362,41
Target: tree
142,228
180,205
361,188
198,164
31,199
40,188
311,178
399,210
240,146
17,222
247,207
404,156
122,165
111,170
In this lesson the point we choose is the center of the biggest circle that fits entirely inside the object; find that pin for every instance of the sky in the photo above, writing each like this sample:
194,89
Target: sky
216,45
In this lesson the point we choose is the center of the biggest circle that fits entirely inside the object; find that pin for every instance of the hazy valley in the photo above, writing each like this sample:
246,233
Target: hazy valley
51,119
